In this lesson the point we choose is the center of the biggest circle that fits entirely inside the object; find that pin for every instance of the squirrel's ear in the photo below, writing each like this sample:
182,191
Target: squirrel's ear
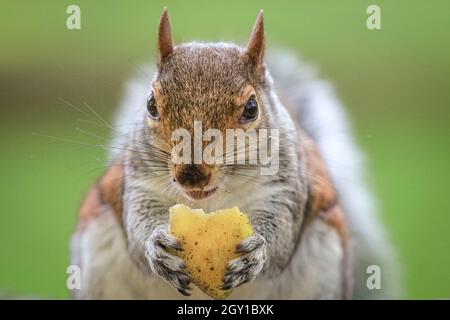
165,43
255,46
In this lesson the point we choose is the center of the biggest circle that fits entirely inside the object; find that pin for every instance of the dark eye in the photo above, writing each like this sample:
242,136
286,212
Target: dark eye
250,110
151,108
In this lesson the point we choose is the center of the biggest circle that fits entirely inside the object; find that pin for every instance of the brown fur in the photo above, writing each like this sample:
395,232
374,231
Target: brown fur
323,203
221,74
111,189
194,83
256,47
323,198
335,218
91,206
107,191
321,190
165,42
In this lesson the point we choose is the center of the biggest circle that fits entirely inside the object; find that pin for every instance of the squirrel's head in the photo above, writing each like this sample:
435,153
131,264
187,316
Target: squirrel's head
218,85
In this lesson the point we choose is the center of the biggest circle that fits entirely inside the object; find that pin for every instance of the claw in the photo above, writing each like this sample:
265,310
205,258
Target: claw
225,286
184,292
164,239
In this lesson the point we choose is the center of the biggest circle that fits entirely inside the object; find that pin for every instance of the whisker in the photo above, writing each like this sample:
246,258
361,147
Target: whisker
97,115
77,109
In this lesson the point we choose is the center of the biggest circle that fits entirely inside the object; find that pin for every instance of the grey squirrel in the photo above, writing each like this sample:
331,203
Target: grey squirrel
315,229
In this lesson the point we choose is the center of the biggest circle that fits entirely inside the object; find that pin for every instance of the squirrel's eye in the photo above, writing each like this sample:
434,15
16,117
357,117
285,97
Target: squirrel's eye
250,110
151,108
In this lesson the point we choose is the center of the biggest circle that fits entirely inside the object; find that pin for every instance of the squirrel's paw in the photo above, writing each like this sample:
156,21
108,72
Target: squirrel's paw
245,268
169,267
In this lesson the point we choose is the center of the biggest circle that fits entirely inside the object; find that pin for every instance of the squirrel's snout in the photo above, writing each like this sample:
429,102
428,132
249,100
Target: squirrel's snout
192,175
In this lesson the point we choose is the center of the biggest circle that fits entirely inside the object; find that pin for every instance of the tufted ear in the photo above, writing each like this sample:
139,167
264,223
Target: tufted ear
165,43
255,46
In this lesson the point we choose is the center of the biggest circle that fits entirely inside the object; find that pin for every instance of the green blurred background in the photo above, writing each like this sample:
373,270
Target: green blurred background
395,82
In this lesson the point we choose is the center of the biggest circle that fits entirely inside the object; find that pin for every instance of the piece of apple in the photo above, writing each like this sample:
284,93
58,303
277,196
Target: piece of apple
209,242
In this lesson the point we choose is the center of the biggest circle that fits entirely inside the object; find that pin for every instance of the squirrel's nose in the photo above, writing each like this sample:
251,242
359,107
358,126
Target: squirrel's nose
192,175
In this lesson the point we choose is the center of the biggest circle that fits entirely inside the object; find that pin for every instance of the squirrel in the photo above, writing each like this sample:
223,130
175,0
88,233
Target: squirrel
316,232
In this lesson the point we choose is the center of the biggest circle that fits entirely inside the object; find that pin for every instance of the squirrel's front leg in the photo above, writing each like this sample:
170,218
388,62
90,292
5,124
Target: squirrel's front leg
164,264
267,252
148,240
245,268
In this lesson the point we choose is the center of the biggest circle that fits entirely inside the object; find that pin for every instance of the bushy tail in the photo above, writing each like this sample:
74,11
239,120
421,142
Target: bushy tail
323,117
